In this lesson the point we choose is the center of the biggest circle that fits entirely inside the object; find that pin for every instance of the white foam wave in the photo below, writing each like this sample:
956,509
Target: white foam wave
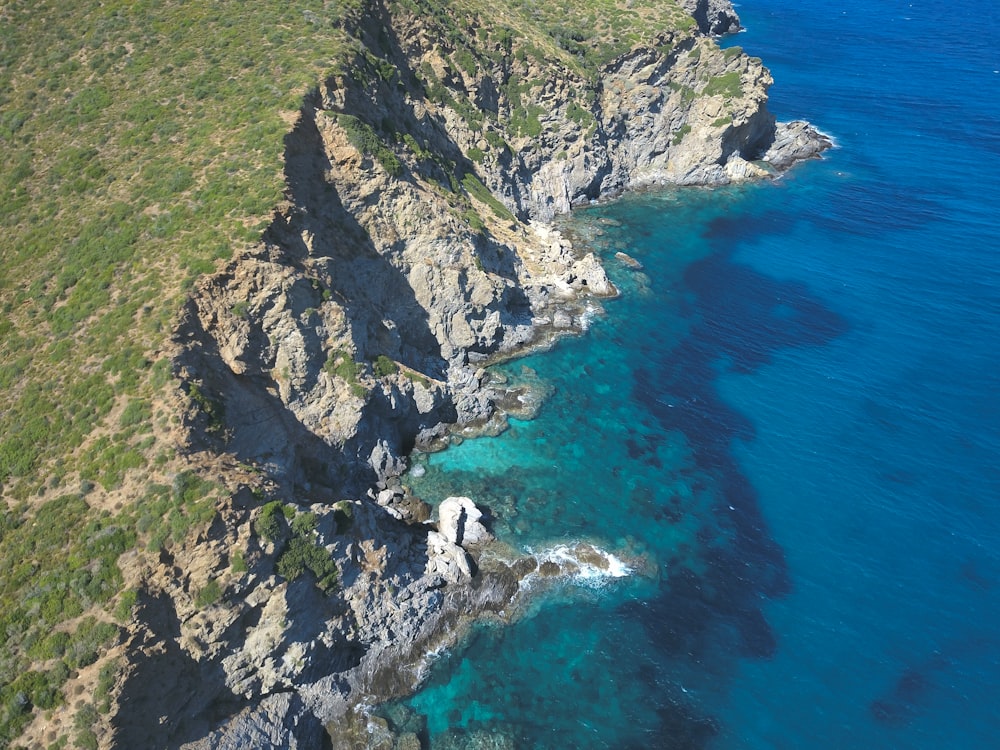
590,312
582,563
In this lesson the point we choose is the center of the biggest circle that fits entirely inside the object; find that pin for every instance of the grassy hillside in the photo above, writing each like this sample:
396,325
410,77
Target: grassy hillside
142,145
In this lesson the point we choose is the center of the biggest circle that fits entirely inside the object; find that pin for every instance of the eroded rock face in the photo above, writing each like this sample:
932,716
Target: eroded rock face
358,328
355,330
715,17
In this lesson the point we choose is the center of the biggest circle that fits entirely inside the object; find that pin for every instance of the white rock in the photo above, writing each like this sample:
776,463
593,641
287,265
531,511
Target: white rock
461,522
446,559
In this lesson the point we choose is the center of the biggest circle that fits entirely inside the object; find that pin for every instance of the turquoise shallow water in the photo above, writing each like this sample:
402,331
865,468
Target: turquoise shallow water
792,415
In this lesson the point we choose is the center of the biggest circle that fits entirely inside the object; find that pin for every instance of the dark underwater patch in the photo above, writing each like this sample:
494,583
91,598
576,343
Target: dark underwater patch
739,320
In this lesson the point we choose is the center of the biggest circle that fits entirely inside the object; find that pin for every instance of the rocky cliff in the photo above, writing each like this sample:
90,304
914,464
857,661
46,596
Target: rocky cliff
414,248
415,242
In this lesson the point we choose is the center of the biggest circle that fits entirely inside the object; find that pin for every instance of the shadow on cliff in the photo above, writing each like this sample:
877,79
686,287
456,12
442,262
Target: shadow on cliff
375,294
170,698
166,684
740,318
259,427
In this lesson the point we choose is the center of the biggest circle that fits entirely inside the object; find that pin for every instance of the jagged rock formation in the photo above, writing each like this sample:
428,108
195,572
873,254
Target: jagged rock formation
394,271
414,247
715,17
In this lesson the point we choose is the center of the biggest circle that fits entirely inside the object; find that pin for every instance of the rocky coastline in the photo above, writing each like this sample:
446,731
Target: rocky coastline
415,247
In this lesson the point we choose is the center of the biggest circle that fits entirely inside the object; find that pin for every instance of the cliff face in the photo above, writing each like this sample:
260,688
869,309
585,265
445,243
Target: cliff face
413,248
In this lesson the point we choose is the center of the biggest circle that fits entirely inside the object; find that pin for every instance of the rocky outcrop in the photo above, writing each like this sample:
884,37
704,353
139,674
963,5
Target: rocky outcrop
415,245
359,325
714,17
795,141
414,248
461,522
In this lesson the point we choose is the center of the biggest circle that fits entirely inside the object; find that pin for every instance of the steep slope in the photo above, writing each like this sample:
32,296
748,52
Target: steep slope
414,248
239,502
410,250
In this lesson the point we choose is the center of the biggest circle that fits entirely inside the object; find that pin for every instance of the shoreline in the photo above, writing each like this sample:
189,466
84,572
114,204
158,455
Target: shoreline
359,329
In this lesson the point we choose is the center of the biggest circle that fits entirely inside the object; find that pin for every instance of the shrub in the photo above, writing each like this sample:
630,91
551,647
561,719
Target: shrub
727,85
238,563
383,366
90,637
105,682
364,138
123,612
136,412
209,594
268,525
342,365
302,554
304,523
214,410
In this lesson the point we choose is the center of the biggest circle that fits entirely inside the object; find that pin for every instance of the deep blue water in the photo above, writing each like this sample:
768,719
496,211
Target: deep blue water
789,423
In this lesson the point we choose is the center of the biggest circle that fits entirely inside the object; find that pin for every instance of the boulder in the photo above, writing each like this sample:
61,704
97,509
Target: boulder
461,522
446,559
389,496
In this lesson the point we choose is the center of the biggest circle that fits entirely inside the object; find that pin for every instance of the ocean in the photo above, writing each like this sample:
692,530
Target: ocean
788,425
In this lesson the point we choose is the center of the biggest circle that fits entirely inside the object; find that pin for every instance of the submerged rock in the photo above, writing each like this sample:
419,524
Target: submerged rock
628,261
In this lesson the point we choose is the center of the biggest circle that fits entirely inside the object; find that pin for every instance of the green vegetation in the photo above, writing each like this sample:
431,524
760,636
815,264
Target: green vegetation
83,722
143,144
209,594
341,364
167,514
384,366
364,138
495,140
294,534
581,116
303,554
105,681
687,93
268,523
592,33
416,377
343,514
126,605
471,217
61,571
476,189
682,131
238,563
728,85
